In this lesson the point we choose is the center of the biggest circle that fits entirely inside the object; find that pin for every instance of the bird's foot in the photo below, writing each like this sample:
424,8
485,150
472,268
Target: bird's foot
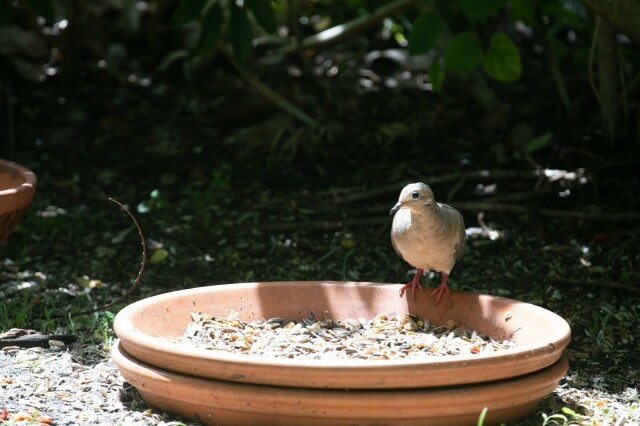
415,282
442,289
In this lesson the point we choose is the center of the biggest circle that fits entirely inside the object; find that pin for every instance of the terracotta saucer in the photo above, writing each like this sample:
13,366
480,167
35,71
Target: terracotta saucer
17,188
148,328
212,401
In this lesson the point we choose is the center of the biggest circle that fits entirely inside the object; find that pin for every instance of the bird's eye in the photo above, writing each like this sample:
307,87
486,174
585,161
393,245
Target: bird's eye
415,195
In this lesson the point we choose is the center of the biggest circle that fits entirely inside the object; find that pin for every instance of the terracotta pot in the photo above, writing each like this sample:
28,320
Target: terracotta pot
147,328
218,402
17,188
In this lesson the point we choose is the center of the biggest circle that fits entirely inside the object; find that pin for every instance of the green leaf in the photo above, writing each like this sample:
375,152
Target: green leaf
538,143
159,255
480,9
210,34
482,416
264,13
463,53
523,10
7,13
240,34
43,8
425,32
502,60
187,11
436,75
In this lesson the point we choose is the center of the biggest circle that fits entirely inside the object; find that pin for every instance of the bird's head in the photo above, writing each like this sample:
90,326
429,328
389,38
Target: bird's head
414,196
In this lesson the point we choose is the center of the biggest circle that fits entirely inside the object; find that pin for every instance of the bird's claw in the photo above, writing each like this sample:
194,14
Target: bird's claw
439,291
413,286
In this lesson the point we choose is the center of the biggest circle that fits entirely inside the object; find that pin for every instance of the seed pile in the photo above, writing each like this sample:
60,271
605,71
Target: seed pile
385,337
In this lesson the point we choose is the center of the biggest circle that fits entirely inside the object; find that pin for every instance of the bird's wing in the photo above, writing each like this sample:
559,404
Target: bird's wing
457,222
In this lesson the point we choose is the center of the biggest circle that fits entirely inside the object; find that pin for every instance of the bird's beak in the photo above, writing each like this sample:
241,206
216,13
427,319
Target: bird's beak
395,208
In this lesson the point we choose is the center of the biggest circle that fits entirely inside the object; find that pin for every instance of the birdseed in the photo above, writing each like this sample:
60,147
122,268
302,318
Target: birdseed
385,337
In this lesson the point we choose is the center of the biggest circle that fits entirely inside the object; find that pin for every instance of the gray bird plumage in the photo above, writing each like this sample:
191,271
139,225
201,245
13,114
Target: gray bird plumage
427,234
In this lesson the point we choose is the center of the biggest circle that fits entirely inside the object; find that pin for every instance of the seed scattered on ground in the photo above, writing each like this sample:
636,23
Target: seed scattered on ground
385,337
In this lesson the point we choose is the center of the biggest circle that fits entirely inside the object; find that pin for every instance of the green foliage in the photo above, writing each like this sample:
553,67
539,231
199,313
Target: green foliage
523,10
502,60
43,8
561,419
7,13
240,33
480,9
425,31
187,11
264,14
436,75
232,16
464,52
206,201
211,28
156,201
482,416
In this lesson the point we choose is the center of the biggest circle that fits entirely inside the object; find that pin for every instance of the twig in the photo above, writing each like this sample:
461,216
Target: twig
270,94
339,32
326,225
445,178
319,225
520,196
135,282
456,188
558,78
509,208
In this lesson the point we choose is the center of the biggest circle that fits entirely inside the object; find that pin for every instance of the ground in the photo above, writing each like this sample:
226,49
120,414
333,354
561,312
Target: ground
227,189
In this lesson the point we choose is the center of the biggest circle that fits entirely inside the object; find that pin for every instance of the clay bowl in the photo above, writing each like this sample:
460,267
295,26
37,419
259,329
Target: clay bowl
219,402
17,188
148,327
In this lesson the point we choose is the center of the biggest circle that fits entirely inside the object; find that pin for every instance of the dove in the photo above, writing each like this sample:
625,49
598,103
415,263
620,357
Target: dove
426,234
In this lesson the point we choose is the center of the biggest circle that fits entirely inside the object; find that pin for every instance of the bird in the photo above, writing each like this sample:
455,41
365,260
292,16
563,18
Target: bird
426,234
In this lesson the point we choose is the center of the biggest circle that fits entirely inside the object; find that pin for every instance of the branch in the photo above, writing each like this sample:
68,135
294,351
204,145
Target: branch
135,282
579,215
445,178
342,31
326,225
623,15
271,95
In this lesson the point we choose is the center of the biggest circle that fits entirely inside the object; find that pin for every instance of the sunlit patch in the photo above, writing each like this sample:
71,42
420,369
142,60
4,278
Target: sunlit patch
556,175
23,285
61,25
478,232
51,211
482,189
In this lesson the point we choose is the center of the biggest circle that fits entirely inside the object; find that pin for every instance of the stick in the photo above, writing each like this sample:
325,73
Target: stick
339,32
445,178
319,225
135,282
269,94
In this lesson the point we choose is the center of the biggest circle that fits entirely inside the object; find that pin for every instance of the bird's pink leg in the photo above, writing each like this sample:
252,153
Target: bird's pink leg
443,287
415,282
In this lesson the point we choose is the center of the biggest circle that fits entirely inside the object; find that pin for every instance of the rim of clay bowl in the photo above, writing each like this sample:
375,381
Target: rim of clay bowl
30,179
159,350
214,401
